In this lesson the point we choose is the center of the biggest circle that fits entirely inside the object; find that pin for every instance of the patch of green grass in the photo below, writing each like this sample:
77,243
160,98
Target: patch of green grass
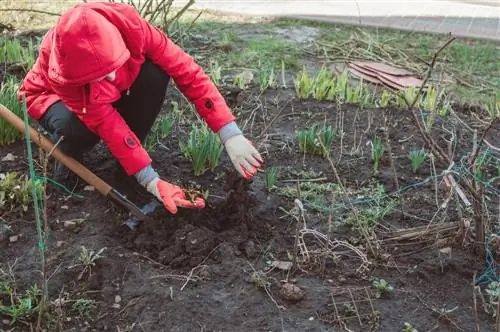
11,51
8,98
203,148
268,51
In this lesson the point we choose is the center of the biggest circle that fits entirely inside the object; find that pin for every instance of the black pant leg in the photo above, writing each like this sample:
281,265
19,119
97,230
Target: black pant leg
60,121
145,100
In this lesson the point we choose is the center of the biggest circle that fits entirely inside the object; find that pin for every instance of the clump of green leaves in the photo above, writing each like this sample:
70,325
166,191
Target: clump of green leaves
12,52
417,158
8,98
267,79
382,287
272,174
15,191
320,87
377,153
317,140
326,86
203,148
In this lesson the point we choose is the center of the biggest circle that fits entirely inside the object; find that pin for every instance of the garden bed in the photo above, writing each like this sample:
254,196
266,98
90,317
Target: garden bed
292,250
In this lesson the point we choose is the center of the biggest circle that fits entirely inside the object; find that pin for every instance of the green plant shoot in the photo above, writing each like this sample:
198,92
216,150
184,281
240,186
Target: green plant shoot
203,148
417,158
377,152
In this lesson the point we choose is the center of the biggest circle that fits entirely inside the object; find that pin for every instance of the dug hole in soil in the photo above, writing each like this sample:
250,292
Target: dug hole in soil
214,269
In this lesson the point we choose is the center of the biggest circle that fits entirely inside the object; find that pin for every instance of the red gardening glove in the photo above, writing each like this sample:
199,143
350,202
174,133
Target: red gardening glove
172,196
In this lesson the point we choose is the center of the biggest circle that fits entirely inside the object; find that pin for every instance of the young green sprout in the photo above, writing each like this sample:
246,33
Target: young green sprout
317,140
272,174
377,152
323,83
165,126
267,79
215,72
303,85
408,328
417,158
382,287
385,99
203,148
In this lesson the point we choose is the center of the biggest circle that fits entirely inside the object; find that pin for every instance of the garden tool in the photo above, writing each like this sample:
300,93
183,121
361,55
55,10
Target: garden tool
135,213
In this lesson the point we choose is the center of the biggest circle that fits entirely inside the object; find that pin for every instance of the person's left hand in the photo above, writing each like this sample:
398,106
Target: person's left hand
245,158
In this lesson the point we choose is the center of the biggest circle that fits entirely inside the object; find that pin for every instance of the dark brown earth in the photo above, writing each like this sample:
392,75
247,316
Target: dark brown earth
196,271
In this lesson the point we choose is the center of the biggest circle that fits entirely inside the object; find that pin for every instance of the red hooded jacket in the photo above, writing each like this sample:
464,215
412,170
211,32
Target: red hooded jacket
92,40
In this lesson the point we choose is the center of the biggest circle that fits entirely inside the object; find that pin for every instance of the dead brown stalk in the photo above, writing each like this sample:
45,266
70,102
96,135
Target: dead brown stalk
472,187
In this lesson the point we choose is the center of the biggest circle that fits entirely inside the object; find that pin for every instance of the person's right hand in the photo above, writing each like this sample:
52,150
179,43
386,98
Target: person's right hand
172,196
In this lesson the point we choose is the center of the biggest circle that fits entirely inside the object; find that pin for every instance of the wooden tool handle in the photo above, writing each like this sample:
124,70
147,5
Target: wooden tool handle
48,146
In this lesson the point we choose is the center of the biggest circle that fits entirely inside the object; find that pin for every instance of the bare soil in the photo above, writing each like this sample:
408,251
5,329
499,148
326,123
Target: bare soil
210,269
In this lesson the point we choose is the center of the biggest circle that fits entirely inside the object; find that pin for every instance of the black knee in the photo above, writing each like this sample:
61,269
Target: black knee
60,122
154,75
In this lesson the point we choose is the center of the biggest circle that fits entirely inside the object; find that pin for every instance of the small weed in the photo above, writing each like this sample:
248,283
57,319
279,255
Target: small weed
317,140
18,307
408,328
377,153
84,308
8,98
15,191
260,280
88,259
382,287
203,148
272,174
417,158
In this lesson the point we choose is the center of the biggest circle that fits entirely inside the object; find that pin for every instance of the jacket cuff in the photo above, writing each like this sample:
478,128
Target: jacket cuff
228,131
146,175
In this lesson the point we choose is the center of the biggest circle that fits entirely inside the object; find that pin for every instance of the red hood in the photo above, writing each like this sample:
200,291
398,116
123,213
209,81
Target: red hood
86,47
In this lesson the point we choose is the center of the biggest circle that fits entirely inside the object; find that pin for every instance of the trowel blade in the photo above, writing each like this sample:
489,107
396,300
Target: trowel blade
147,209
